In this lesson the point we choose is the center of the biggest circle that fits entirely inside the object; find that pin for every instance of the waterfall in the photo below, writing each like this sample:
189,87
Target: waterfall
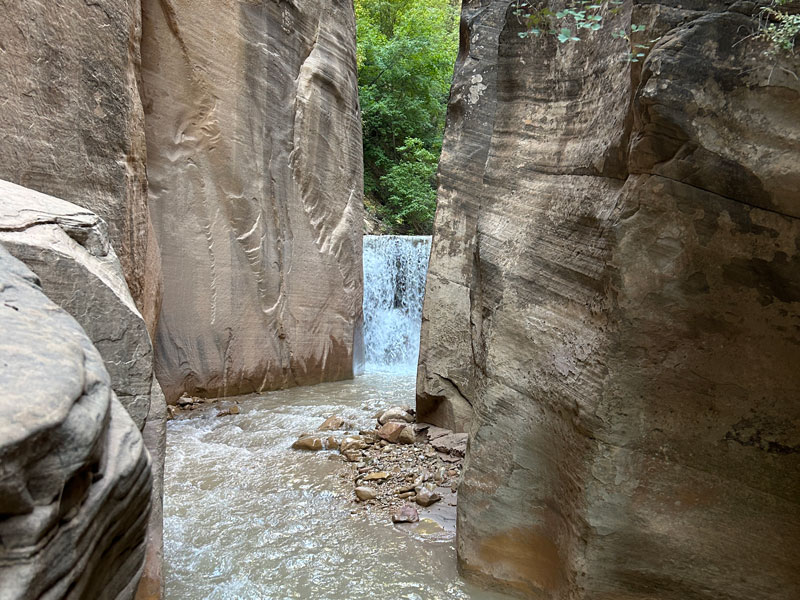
395,268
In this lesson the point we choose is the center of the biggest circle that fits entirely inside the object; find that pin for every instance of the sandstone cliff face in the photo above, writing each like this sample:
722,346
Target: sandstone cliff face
75,489
254,167
613,293
71,123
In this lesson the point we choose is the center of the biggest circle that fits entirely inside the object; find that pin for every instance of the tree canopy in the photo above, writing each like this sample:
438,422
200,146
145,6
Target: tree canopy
406,51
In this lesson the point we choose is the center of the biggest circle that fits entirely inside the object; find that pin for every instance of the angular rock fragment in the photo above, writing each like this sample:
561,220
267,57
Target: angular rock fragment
332,423
352,442
425,497
405,514
453,443
397,433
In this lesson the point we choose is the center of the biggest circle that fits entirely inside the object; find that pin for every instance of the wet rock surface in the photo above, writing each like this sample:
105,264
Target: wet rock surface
612,298
74,502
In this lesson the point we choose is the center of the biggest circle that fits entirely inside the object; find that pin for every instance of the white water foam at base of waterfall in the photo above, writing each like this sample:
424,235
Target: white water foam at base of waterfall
395,269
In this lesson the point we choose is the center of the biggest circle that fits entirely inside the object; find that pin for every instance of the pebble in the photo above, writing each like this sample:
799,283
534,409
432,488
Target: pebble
332,424
364,493
376,476
405,514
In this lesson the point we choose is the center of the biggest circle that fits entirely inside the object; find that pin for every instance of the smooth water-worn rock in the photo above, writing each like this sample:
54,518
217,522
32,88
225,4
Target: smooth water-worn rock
75,491
613,295
255,175
68,248
71,123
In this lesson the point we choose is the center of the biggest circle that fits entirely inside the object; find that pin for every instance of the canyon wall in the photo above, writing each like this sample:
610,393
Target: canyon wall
75,488
72,125
255,178
613,307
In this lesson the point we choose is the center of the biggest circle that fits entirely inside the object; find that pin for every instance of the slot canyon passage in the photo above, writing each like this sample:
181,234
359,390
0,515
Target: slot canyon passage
597,352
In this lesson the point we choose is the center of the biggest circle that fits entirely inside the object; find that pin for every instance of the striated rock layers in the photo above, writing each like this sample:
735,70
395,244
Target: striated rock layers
614,294
69,250
72,125
75,482
254,169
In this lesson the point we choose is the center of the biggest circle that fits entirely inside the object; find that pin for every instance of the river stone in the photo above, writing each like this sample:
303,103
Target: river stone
364,493
352,442
352,455
308,443
397,433
254,164
377,476
75,491
332,424
396,413
72,121
613,288
405,514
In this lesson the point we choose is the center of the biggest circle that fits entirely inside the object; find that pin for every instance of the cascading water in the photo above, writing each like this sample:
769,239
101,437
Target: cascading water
395,269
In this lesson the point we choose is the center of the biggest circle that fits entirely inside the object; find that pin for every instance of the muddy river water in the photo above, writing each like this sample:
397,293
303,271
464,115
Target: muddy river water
246,517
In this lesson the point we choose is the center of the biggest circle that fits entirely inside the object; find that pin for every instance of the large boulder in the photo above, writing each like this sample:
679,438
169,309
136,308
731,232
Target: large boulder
68,249
255,175
75,484
72,124
613,304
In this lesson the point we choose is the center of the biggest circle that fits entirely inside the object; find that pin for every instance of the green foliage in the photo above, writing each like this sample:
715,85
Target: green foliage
410,182
576,19
779,27
406,51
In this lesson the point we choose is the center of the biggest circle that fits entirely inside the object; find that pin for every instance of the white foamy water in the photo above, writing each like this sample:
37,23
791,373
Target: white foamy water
246,517
395,269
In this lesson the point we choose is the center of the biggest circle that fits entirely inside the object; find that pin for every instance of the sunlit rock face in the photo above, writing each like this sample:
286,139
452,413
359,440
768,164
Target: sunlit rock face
75,489
255,174
71,123
613,294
